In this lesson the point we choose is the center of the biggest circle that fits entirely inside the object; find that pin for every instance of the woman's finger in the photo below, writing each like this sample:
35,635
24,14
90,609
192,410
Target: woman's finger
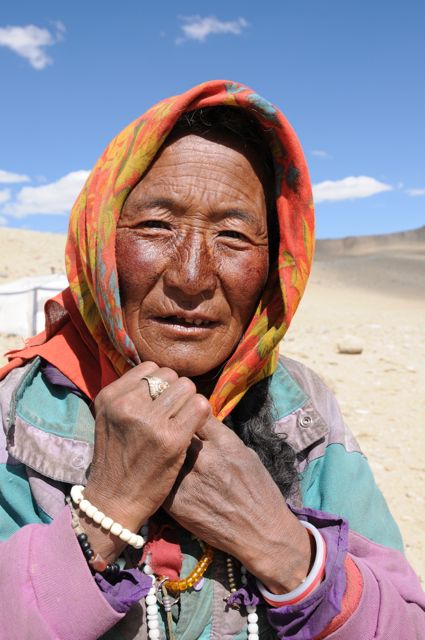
131,377
132,380
194,413
210,429
173,399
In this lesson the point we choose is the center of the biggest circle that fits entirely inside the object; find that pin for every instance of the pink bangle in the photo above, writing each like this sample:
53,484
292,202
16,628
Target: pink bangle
312,580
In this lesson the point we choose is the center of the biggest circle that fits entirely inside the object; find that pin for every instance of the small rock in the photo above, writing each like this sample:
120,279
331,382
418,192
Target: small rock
350,345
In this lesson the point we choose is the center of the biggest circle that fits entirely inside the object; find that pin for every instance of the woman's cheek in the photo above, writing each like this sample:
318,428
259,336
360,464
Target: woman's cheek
139,264
245,280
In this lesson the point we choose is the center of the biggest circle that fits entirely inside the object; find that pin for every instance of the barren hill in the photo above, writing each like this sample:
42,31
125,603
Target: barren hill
392,263
363,245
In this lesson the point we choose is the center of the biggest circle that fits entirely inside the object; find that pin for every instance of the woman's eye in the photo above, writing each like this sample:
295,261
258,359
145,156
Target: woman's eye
153,224
233,234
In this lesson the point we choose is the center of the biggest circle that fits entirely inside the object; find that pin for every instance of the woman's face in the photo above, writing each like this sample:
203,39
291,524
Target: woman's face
192,253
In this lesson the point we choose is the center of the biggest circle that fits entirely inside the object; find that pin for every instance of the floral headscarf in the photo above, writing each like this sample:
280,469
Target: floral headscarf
90,251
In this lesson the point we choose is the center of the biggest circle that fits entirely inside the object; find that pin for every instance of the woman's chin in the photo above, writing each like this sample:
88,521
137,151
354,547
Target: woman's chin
197,354
183,367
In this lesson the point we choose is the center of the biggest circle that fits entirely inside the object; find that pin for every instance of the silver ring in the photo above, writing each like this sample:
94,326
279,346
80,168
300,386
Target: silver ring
156,386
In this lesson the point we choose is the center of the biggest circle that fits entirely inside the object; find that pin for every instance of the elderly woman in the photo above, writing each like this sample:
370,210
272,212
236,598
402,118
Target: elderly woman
166,475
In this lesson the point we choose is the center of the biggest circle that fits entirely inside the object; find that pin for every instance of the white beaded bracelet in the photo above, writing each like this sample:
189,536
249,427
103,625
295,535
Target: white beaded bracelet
308,584
133,539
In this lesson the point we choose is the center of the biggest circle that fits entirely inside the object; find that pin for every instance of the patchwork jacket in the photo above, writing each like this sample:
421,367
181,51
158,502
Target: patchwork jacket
48,592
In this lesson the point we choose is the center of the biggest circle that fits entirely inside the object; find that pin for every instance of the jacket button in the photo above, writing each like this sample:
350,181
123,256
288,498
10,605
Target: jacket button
77,462
306,421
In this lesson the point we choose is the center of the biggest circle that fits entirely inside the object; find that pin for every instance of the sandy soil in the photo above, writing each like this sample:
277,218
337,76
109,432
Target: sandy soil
370,289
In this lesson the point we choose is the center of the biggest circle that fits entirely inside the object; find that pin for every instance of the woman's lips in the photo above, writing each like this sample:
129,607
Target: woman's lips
195,325
185,321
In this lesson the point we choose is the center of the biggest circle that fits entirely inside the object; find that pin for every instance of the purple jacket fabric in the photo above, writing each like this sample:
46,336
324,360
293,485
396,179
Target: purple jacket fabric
392,606
34,604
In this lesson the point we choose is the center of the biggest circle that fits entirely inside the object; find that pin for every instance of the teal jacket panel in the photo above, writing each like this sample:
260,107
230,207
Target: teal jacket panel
342,483
17,505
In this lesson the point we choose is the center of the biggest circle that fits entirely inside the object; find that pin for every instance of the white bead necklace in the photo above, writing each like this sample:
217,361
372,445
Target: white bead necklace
152,613
152,609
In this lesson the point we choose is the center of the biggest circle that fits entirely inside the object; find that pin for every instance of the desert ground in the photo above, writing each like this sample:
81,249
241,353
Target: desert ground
368,292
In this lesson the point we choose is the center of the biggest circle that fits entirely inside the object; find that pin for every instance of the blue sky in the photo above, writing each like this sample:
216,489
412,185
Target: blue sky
348,75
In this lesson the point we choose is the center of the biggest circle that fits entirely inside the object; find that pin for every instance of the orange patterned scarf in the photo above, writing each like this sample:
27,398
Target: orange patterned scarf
90,251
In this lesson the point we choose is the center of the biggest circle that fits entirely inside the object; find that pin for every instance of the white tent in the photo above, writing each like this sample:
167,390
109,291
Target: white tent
22,303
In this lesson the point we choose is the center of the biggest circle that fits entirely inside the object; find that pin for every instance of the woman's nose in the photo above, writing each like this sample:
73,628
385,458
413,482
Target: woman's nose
191,269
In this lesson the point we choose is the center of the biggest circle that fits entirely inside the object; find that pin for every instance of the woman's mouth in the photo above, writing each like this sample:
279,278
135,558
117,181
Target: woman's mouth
194,322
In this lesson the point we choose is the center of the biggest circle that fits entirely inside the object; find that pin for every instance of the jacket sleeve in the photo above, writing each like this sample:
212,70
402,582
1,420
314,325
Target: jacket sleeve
369,592
46,589
390,601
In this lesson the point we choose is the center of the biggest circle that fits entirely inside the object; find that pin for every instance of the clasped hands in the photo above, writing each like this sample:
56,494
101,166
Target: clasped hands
172,452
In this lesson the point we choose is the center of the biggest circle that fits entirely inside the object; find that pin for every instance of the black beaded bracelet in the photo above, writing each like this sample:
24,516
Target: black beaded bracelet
112,569
96,563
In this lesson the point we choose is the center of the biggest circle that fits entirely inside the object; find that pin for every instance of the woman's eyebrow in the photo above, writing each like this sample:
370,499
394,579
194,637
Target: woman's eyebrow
172,205
240,214
156,203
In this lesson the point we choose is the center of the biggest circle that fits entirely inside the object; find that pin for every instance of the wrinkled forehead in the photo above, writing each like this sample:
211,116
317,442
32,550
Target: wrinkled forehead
217,152
202,177
235,128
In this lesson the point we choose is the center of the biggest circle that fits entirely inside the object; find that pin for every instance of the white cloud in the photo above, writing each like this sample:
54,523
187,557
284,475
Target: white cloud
4,195
53,198
3,221
30,41
416,192
7,177
319,153
197,28
349,188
